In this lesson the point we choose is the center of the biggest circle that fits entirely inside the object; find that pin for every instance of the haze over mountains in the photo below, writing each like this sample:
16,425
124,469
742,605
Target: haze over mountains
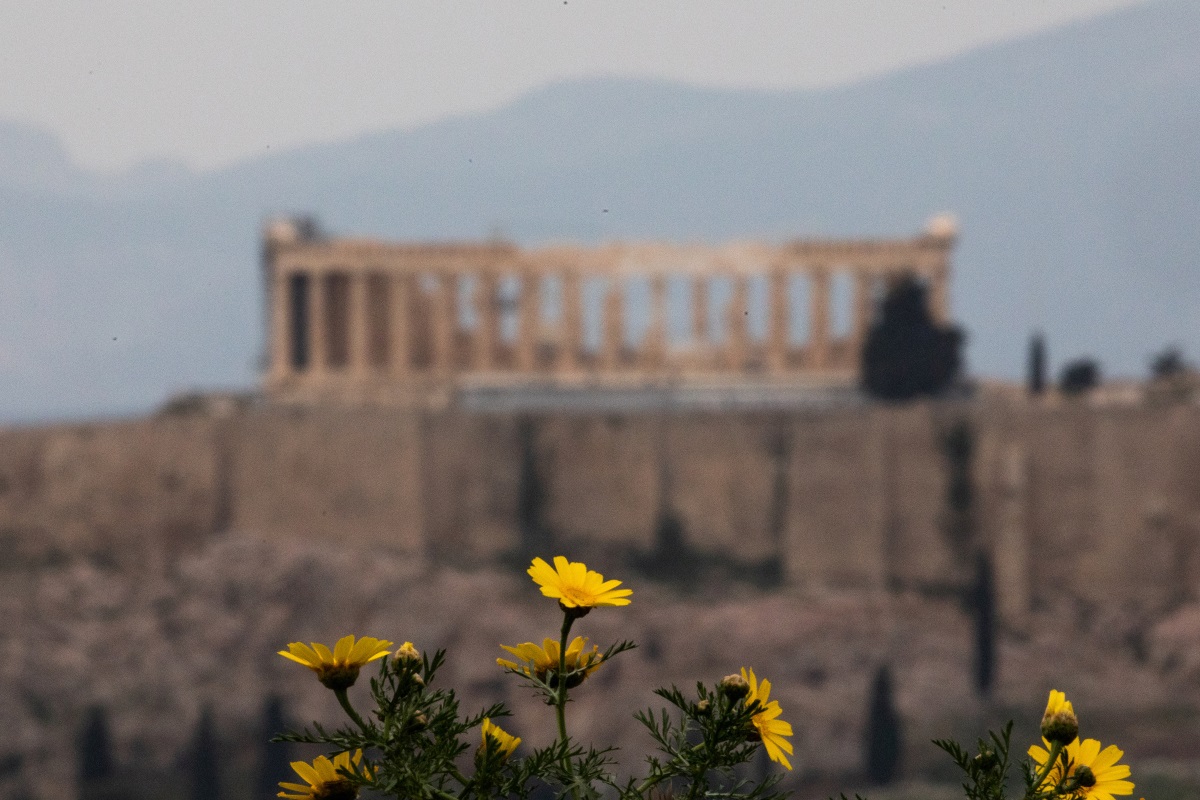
1071,158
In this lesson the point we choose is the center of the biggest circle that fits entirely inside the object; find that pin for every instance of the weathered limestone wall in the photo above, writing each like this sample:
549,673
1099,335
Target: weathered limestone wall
1114,503
327,475
469,476
1098,505
1101,505
616,504
99,486
729,505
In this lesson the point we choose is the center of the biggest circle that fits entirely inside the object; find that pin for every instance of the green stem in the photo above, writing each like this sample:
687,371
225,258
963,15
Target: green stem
560,700
1055,749
649,783
349,709
468,786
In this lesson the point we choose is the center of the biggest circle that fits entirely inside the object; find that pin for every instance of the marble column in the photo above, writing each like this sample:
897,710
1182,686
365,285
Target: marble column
443,322
939,294
358,328
700,309
282,326
571,341
400,318
318,349
487,331
656,335
864,283
777,335
737,318
818,338
529,319
614,325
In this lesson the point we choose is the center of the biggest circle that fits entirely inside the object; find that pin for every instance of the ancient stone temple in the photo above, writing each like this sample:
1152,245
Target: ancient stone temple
362,321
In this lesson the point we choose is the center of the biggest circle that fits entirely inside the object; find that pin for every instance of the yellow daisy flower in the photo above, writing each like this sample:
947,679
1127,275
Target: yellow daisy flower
540,662
497,739
324,781
772,730
1095,772
338,669
576,586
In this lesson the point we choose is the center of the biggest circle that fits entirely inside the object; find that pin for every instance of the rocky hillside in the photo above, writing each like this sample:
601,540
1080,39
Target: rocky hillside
155,641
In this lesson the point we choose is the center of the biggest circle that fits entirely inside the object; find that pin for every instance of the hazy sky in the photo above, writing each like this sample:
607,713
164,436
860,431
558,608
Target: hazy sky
212,81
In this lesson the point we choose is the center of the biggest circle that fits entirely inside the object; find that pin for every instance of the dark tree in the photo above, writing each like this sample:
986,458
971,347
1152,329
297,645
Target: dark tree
882,743
1168,364
959,448
203,759
94,748
531,494
273,757
1079,376
906,354
983,608
1037,364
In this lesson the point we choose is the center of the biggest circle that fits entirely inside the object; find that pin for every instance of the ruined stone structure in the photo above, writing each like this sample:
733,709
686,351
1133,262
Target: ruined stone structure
367,322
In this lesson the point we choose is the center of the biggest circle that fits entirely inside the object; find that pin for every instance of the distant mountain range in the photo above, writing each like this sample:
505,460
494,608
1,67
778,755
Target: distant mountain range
1072,159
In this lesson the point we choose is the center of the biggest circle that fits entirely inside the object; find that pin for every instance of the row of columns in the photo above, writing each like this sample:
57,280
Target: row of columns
363,321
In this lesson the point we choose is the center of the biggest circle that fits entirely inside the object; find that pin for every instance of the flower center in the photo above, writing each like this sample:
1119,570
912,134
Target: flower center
336,790
576,596
338,676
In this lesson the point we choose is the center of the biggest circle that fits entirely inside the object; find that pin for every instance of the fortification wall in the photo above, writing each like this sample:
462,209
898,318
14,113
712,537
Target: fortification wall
1098,506
327,475
101,486
1101,505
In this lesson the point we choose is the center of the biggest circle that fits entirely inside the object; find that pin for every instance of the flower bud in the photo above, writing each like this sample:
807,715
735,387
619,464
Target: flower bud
704,708
734,687
408,653
1060,727
419,721
1084,776
986,760
1059,723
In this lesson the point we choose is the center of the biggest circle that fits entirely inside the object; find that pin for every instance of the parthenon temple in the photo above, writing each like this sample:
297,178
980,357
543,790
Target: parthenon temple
363,321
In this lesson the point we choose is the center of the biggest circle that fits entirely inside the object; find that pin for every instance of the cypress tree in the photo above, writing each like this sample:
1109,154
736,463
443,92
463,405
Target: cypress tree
984,612
531,494
1079,376
906,353
274,757
203,759
94,748
1037,364
959,448
882,744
